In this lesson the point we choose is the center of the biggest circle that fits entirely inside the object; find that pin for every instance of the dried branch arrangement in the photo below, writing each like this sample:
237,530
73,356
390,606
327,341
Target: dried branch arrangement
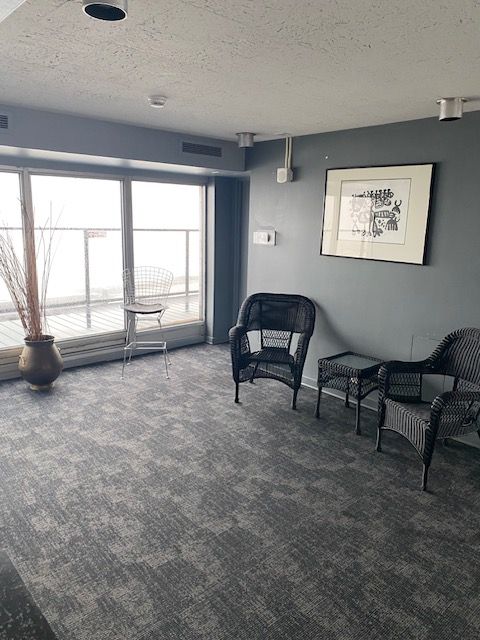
20,276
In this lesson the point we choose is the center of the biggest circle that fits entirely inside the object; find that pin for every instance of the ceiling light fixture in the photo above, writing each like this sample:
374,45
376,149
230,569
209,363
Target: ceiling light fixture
245,139
157,102
451,108
109,10
8,6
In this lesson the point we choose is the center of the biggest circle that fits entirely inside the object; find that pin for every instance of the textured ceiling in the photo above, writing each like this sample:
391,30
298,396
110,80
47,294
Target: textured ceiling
269,67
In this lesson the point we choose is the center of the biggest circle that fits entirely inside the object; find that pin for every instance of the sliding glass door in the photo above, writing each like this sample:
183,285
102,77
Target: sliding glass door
101,226
85,284
167,232
11,330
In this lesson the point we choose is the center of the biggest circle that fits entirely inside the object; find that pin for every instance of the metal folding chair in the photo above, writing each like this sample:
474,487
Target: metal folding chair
146,290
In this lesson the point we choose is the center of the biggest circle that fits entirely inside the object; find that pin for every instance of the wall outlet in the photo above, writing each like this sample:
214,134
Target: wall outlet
284,175
265,237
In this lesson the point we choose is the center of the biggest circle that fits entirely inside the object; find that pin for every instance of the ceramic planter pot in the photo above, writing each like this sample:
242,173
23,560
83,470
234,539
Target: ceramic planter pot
40,363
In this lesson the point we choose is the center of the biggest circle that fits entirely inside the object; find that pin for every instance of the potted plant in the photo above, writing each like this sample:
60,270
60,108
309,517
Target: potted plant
40,362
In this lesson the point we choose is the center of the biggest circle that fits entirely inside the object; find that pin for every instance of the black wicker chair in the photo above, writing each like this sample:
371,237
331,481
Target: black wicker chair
276,317
452,413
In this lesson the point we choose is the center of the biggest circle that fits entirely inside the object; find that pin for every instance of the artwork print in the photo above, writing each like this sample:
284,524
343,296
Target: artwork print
377,213
374,210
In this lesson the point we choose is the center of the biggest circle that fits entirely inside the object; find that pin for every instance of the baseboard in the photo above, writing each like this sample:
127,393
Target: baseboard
103,353
116,353
311,383
215,340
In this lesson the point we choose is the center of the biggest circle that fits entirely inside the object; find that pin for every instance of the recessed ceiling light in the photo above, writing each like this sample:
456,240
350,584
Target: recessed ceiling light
157,102
109,10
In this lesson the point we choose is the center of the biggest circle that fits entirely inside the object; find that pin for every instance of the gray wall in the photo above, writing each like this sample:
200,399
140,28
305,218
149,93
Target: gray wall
33,130
375,307
223,243
52,141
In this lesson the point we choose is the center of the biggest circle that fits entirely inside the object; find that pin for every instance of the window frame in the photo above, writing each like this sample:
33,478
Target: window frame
109,345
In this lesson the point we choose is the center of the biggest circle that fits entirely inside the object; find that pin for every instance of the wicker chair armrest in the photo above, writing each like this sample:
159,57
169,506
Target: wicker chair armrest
239,342
455,412
457,396
301,350
403,380
299,357
397,366
237,331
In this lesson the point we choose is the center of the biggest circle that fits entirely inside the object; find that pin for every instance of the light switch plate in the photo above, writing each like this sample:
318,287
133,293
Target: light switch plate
265,237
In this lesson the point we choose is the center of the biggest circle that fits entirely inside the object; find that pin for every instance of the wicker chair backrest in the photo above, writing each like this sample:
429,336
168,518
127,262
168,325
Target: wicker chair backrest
459,356
277,315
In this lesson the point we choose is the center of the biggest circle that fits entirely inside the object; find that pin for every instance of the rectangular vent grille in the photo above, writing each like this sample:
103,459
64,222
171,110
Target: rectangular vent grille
3,121
201,149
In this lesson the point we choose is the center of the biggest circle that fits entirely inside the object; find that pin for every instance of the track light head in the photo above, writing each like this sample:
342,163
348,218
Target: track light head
451,108
245,139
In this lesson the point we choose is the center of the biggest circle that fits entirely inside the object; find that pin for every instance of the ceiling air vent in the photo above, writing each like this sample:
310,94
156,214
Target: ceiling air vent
201,149
3,122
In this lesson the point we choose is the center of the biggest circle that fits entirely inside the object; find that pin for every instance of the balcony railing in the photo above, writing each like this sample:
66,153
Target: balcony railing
185,288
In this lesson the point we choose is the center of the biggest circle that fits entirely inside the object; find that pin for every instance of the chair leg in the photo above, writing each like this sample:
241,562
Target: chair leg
357,419
165,357
253,373
159,320
317,410
430,442
358,408
381,418
124,360
294,401
425,475
133,340
125,347
236,392
347,403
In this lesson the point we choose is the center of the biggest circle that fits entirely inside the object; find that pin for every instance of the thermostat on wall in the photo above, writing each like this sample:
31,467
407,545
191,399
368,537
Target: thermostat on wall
265,237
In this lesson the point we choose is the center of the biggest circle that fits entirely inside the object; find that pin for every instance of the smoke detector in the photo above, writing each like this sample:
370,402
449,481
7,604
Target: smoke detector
108,10
157,102
451,108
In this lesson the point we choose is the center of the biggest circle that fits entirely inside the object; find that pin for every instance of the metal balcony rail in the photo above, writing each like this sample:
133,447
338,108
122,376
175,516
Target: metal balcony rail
111,296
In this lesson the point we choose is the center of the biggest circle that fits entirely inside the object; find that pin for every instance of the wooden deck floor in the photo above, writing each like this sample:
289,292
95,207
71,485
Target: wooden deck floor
72,322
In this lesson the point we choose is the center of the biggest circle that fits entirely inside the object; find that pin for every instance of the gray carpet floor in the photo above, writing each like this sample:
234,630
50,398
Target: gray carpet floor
158,509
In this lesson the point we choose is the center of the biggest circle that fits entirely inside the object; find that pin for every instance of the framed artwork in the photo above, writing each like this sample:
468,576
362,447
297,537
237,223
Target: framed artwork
377,213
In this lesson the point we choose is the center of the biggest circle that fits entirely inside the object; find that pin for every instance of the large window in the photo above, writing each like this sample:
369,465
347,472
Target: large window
100,230
11,331
85,284
167,231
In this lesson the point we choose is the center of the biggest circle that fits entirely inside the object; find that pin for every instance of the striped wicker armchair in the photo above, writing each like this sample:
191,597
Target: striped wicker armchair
452,413
277,318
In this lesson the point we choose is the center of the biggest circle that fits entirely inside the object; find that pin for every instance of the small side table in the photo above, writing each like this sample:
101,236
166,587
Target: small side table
353,373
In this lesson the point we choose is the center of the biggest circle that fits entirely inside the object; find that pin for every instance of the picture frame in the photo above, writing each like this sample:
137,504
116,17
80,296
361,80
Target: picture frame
378,213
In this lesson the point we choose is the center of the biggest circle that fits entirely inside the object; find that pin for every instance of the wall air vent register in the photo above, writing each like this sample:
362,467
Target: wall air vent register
201,149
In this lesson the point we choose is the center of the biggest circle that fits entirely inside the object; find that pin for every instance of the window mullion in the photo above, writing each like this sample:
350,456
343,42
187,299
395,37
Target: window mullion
127,228
28,232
